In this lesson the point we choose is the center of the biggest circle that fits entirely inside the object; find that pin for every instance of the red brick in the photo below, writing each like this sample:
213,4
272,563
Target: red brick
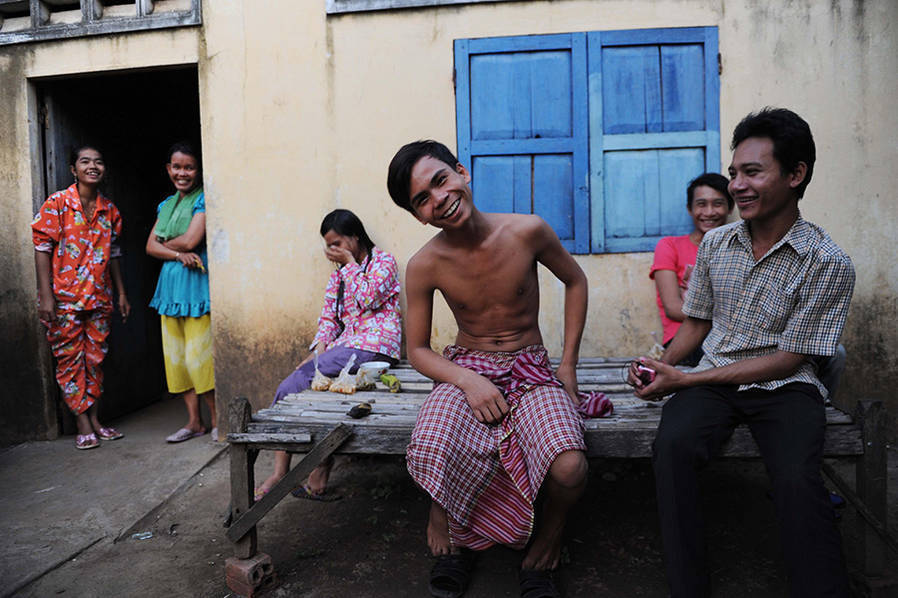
249,571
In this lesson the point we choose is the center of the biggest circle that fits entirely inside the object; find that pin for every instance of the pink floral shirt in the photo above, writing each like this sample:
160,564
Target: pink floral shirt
370,309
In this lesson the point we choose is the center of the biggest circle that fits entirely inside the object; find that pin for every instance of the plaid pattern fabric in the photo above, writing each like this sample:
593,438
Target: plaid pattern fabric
795,298
487,477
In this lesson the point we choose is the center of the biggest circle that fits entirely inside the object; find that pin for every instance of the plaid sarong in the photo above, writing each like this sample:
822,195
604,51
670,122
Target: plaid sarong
487,477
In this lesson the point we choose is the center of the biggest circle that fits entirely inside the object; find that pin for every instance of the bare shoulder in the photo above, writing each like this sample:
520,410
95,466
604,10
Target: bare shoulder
529,229
421,264
526,226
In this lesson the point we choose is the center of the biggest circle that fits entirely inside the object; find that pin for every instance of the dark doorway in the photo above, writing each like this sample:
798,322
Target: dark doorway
133,117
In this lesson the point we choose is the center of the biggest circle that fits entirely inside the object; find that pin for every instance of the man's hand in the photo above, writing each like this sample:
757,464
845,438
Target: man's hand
339,255
124,306
485,399
568,376
46,310
667,379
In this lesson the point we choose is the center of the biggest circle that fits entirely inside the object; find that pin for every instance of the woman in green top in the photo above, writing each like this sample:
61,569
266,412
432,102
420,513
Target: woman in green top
182,293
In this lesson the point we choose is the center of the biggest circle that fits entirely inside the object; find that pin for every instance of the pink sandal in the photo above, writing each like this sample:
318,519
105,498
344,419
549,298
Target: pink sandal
86,441
109,433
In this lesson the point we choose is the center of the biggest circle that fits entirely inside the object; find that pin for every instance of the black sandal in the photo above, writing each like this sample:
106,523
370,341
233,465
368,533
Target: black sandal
537,584
450,574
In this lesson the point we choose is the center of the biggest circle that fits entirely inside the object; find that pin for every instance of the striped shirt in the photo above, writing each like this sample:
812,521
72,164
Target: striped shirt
795,298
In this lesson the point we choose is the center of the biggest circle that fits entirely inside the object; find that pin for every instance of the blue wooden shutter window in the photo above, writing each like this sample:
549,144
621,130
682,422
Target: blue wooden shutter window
654,125
598,133
522,128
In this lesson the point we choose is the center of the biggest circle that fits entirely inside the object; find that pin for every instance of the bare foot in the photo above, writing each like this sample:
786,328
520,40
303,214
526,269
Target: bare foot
438,530
263,488
317,482
545,551
563,486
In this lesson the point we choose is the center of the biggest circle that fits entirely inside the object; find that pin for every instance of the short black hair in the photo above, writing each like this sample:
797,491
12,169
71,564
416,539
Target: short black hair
76,151
186,148
400,171
716,181
791,137
346,223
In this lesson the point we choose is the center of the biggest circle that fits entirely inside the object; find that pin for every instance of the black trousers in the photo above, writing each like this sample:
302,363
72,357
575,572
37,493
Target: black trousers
788,425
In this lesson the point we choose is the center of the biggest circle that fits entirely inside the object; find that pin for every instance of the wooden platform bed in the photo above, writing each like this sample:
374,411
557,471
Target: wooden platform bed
315,423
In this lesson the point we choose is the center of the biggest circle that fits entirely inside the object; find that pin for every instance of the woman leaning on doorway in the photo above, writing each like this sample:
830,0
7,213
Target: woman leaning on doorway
182,293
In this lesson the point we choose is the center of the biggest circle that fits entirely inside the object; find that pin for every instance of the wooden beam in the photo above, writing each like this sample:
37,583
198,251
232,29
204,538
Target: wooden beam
40,14
242,478
290,438
246,522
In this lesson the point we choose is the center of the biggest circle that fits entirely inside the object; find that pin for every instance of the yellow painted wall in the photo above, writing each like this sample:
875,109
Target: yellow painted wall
301,113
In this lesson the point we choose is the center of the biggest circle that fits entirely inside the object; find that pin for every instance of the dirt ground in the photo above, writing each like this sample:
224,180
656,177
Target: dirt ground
371,543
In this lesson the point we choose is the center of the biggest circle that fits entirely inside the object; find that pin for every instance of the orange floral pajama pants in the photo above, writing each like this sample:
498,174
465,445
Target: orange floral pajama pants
78,341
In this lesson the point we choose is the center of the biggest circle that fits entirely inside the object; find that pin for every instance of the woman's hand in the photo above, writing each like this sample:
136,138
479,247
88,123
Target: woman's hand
46,310
190,260
124,306
339,255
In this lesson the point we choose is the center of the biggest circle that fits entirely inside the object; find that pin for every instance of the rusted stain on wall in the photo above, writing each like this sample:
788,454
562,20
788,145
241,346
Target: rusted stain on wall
872,369
253,355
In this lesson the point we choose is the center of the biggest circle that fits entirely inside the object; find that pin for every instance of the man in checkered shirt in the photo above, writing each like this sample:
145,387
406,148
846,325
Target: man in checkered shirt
769,295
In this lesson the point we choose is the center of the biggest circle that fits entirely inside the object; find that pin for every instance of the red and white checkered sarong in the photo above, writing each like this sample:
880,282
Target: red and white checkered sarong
487,477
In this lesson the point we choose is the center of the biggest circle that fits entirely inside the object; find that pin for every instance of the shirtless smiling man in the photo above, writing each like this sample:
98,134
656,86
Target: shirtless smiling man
499,421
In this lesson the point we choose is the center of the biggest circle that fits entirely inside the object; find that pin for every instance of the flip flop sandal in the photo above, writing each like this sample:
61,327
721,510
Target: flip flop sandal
109,433
86,441
184,434
304,492
537,584
450,574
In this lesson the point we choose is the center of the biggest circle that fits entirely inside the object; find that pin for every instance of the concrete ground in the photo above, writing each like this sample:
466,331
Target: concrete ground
138,517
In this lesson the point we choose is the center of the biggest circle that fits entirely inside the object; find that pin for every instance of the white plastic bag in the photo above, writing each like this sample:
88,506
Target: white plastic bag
320,381
345,382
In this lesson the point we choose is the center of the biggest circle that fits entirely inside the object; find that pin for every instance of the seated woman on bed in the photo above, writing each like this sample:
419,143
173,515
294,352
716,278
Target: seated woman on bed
360,317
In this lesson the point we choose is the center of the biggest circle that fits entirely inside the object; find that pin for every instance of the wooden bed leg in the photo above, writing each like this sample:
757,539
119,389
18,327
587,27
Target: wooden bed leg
871,485
242,478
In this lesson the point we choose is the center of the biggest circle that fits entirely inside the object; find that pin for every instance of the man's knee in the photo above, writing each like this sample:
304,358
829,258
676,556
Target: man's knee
569,469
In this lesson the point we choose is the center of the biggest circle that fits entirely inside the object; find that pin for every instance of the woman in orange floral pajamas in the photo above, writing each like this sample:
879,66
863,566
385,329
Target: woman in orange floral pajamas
76,255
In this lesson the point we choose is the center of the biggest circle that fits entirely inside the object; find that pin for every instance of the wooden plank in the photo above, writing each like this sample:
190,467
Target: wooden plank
553,193
604,438
293,438
683,76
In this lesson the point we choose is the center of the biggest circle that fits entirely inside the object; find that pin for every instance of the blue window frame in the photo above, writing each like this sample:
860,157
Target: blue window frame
598,133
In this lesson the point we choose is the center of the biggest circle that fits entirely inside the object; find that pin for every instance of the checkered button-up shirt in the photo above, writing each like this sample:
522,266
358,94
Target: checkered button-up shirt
795,298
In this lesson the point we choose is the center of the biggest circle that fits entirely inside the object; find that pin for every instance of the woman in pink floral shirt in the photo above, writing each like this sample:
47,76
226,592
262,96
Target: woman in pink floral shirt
360,317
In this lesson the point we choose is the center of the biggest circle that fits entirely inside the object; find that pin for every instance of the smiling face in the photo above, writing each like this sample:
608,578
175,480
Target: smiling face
440,194
761,190
183,171
89,167
709,208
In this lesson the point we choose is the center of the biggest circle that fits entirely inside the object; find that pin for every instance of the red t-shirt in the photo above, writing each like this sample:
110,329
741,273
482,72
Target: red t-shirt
674,254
